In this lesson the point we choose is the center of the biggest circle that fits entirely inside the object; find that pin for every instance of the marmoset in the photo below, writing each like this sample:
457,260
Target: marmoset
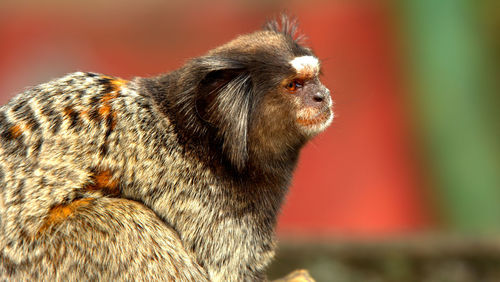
178,177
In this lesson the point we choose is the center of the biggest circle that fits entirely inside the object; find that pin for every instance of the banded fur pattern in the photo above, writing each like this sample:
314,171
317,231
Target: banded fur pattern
87,138
62,168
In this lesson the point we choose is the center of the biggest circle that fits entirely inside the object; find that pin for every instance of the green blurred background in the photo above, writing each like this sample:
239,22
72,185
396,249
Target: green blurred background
404,186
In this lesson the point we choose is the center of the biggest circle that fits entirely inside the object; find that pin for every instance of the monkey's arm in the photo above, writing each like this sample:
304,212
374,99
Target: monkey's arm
79,240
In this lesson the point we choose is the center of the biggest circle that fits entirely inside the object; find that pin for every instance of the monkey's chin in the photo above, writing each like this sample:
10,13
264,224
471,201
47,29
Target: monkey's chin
316,124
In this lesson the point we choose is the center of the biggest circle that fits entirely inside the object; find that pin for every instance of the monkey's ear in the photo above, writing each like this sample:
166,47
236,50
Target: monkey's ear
286,25
224,100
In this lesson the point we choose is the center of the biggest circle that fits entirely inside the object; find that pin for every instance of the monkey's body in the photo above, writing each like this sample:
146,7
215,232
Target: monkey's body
112,142
149,179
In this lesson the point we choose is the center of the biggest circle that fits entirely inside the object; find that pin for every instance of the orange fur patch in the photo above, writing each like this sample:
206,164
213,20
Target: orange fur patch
113,114
67,111
106,110
84,114
312,121
16,131
103,181
118,83
59,213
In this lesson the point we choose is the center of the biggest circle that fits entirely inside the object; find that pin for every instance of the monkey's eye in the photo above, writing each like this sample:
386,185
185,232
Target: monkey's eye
293,85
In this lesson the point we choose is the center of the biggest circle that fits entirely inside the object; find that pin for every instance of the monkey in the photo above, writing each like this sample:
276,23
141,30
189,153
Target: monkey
177,177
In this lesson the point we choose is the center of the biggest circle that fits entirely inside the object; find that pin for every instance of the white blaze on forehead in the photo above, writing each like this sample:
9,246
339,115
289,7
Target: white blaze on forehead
306,65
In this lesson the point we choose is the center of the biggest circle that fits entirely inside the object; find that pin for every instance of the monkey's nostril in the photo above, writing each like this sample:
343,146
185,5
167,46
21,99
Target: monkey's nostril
318,98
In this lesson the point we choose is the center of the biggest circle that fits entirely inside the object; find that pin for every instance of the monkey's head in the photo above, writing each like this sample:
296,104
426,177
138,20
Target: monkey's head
259,97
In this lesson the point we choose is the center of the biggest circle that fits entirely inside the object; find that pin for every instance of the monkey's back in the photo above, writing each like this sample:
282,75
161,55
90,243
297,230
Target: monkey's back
52,136
66,148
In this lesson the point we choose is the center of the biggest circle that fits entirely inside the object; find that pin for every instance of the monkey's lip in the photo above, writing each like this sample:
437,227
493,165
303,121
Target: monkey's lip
319,118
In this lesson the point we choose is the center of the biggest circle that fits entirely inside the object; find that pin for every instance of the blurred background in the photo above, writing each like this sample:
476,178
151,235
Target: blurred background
405,184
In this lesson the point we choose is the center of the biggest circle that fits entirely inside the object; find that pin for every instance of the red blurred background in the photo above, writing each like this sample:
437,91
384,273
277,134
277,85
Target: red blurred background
359,178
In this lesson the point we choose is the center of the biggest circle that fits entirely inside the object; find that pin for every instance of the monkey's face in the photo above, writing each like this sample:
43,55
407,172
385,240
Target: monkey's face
294,105
310,98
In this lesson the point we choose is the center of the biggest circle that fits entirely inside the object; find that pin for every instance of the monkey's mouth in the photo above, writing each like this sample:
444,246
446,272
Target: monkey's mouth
322,118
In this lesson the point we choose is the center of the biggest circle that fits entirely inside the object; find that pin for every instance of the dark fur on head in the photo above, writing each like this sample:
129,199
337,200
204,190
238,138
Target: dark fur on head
286,25
223,103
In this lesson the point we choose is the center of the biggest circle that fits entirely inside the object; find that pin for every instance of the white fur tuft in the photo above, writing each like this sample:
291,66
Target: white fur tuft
306,65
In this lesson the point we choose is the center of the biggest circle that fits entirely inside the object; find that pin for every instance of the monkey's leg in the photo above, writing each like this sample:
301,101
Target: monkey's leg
104,239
